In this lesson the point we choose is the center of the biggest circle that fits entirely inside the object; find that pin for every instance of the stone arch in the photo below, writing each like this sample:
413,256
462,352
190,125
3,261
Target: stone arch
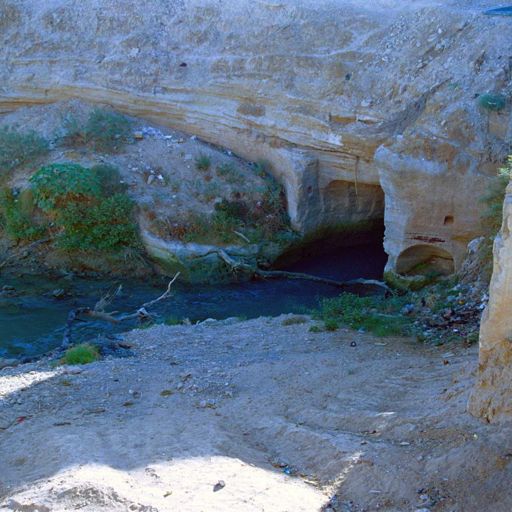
420,259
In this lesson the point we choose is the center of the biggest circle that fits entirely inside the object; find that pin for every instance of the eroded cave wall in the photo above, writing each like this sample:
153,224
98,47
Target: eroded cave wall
314,86
492,396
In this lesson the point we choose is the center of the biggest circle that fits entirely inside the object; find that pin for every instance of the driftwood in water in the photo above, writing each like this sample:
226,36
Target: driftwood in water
99,313
282,274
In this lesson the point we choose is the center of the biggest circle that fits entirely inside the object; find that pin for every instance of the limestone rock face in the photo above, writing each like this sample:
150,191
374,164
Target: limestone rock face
492,396
357,105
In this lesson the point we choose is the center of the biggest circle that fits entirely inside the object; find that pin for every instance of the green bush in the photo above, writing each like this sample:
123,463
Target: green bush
203,162
16,219
106,130
85,207
80,354
105,225
19,148
57,185
110,179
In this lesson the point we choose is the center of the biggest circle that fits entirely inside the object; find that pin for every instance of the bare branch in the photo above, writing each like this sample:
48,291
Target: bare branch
98,312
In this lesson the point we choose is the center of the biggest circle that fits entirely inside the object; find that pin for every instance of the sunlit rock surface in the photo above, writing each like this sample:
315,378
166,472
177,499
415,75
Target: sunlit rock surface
492,397
356,105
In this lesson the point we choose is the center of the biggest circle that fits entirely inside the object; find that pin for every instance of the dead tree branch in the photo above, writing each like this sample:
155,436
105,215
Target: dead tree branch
282,274
99,313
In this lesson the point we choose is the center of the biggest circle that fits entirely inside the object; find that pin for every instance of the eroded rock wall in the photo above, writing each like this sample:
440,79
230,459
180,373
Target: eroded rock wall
492,397
319,88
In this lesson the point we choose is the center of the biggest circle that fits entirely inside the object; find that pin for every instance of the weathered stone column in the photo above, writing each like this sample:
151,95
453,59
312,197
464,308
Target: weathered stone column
491,398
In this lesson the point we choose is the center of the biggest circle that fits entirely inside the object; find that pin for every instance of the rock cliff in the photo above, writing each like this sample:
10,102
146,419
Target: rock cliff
492,397
365,111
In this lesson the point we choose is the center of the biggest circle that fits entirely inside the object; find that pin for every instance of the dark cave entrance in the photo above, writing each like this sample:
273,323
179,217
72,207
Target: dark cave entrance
343,255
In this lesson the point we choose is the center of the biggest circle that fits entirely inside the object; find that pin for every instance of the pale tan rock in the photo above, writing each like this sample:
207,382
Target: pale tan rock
492,396
354,104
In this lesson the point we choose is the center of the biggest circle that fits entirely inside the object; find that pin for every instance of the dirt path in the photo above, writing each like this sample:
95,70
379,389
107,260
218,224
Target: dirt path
285,418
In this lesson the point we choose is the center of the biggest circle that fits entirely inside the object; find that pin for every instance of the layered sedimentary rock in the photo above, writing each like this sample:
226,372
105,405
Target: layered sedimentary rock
492,397
356,105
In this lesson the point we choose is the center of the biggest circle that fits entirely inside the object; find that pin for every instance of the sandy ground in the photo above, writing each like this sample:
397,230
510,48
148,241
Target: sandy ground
252,416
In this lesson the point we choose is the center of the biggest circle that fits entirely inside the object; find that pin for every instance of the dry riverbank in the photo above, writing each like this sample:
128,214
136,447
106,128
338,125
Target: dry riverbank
247,416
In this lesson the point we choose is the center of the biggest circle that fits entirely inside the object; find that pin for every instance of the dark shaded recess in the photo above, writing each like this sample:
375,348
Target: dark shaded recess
340,256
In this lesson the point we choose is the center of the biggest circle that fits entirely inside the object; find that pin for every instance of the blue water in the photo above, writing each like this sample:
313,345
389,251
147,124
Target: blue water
32,321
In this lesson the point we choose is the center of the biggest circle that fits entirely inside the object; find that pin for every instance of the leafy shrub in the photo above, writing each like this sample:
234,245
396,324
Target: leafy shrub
105,225
80,354
203,162
19,148
59,184
74,131
85,206
110,179
106,130
15,218
492,102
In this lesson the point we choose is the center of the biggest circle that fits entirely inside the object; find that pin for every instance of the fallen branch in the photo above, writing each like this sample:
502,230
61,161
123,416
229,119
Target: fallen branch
98,312
236,265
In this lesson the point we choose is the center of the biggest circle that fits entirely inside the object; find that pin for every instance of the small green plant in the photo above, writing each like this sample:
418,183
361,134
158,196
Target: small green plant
331,324
492,102
229,173
172,320
74,131
374,314
203,162
81,354
16,219
18,148
106,130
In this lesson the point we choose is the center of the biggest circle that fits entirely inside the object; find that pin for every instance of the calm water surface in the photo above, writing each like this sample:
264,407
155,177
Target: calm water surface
31,322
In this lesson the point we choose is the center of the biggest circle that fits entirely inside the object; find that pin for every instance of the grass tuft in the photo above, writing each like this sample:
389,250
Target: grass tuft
84,353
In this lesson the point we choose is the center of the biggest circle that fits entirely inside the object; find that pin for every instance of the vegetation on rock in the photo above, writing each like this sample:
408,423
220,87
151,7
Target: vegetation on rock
84,209
440,313
19,148
104,130
492,214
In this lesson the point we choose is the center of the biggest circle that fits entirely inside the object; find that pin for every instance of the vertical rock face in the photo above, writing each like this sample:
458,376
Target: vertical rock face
355,104
492,397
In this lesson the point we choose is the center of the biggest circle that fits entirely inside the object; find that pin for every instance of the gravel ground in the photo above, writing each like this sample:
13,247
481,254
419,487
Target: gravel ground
252,416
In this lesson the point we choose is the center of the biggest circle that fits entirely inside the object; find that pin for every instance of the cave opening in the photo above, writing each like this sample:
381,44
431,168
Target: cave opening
341,255
423,259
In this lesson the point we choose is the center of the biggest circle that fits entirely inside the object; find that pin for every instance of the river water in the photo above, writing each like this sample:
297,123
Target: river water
32,318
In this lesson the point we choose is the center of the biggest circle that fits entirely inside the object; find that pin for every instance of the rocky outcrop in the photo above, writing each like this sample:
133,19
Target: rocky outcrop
356,106
492,397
